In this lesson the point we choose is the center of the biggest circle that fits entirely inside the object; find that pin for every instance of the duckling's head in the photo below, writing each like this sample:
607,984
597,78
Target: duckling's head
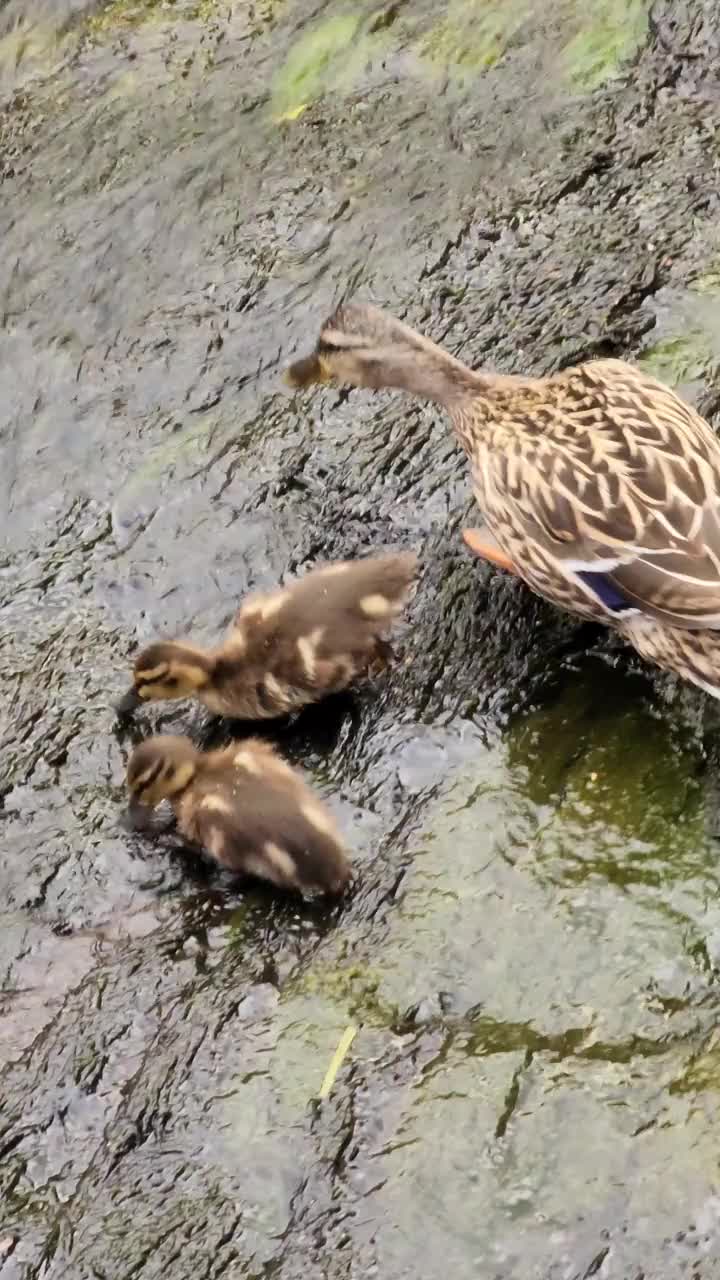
165,671
159,769
362,346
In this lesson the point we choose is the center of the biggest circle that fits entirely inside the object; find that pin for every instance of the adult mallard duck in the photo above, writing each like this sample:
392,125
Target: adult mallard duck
245,807
599,487
287,648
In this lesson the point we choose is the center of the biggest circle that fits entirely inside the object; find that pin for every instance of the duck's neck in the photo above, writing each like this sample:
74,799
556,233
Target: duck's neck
472,401
434,376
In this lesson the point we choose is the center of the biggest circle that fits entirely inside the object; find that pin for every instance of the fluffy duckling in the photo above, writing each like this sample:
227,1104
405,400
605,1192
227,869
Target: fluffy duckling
245,807
288,648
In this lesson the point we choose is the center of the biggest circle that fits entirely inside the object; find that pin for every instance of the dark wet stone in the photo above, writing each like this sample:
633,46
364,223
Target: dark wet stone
167,249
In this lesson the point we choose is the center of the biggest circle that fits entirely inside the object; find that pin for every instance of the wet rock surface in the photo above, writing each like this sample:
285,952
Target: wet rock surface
532,947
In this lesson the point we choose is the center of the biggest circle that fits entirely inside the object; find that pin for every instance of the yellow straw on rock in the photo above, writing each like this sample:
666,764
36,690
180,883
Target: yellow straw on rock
338,1058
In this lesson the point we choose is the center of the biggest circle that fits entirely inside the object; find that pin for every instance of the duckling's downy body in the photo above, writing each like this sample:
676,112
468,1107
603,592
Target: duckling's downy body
244,806
600,488
287,648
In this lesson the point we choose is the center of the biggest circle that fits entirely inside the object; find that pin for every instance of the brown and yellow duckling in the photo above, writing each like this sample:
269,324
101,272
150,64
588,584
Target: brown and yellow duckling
245,807
288,648
600,487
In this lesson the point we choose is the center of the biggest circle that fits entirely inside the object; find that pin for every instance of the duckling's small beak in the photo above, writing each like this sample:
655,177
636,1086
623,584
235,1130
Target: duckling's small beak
128,703
307,372
137,817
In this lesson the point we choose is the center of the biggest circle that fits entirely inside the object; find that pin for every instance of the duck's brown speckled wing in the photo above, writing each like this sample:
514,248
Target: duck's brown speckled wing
616,482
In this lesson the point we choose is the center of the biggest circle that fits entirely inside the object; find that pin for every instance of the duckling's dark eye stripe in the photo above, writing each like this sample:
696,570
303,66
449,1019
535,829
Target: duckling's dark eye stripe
148,777
325,348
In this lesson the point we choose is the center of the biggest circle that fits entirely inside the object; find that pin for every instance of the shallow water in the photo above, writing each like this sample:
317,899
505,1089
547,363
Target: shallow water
531,952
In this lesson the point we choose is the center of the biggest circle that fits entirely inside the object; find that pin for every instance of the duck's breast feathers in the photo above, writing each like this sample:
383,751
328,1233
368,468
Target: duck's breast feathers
623,480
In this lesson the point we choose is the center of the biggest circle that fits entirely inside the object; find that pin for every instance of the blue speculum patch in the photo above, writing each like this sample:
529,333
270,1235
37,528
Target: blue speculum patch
606,591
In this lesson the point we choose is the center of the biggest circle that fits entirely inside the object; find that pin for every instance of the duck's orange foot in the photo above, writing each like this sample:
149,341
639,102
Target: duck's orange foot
480,545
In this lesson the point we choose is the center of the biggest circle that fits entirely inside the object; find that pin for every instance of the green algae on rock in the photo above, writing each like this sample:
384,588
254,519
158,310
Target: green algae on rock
329,58
118,15
474,34
611,32
678,360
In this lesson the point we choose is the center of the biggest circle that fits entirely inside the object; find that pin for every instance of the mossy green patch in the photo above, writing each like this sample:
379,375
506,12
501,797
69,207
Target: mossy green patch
702,1073
675,360
709,281
241,922
622,784
37,45
188,446
121,15
353,988
206,9
474,34
329,58
611,32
